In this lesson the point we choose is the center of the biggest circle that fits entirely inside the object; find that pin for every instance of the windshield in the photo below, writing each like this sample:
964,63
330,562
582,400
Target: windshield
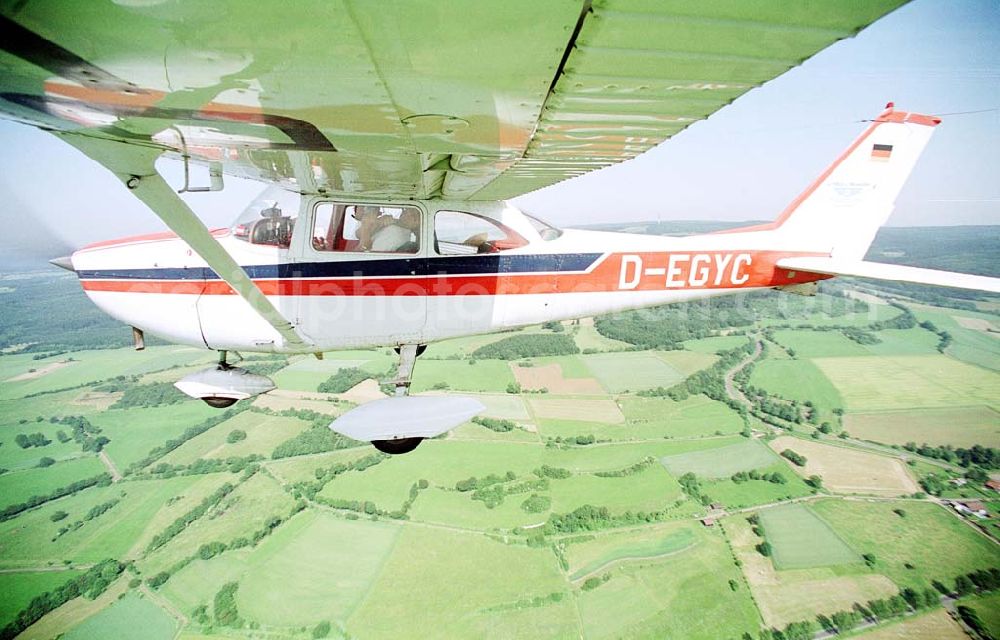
544,229
269,219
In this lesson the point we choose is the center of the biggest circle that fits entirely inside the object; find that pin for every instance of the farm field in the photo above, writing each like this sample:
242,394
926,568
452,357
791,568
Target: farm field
573,524
908,382
123,618
798,594
957,426
606,551
935,543
683,595
554,377
797,380
722,461
18,589
802,540
18,486
632,371
988,610
848,470
936,625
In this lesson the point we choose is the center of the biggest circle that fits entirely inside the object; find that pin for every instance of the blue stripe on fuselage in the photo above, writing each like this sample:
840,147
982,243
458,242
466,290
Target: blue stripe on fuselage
446,265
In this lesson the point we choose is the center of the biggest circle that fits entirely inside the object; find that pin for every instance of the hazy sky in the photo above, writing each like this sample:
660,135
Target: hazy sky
743,163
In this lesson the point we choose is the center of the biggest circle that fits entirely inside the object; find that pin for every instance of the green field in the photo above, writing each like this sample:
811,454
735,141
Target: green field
632,371
988,609
907,382
818,344
936,544
723,461
800,539
124,618
471,575
694,417
652,489
484,375
797,380
92,366
263,433
18,589
957,426
605,551
324,565
452,567
137,431
754,492
716,344
18,486
684,595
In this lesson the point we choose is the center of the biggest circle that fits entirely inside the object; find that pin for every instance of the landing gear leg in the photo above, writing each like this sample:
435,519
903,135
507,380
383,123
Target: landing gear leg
218,402
407,359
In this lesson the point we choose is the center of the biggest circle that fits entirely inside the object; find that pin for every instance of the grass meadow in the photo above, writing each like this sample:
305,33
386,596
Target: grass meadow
723,461
124,618
800,539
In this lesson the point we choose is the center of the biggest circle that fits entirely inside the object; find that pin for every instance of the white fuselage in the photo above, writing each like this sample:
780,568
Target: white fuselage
361,299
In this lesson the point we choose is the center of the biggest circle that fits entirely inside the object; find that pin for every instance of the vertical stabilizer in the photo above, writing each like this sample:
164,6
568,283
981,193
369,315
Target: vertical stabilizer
843,209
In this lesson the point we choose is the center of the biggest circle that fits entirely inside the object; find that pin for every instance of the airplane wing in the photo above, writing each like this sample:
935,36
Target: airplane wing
404,99
882,271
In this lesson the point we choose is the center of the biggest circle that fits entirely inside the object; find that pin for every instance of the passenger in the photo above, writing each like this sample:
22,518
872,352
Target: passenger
370,222
401,236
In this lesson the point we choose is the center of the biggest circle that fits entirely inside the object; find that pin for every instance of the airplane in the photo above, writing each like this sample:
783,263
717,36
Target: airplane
392,135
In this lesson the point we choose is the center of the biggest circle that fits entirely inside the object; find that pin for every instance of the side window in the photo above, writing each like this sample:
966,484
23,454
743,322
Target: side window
366,228
457,233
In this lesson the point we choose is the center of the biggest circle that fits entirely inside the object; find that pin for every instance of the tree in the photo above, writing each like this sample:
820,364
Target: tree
869,559
814,481
964,586
46,462
764,548
58,515
321,630
236,435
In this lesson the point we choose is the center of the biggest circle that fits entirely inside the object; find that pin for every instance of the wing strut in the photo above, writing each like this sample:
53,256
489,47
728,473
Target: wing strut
134,165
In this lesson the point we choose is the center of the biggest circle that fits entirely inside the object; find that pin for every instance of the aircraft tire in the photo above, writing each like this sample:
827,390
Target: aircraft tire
397,446
219,403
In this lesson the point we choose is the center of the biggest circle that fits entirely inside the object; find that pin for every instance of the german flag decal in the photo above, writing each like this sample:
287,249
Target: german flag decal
881,151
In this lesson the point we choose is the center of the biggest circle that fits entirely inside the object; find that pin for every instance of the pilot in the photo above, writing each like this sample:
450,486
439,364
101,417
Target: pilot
275,229
400,236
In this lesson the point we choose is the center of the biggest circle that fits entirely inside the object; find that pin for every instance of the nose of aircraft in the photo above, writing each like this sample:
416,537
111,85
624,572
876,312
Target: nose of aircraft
64,262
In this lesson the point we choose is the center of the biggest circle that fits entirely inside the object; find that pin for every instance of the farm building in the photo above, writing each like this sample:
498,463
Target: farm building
993,484
708,522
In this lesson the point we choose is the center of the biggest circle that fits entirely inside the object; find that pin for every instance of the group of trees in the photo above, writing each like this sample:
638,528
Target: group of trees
344,380
494,424
668,327
986,457
627,471
318,438
87,435
744,476
90,584
797,458
150,394
591,518
26,441
527,346
710,382
692,486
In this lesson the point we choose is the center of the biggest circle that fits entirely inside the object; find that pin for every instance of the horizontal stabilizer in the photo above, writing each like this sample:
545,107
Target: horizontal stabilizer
880,271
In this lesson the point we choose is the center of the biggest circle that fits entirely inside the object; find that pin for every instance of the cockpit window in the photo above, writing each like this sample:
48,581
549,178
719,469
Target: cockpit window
544,229
269,220
458,233
366,228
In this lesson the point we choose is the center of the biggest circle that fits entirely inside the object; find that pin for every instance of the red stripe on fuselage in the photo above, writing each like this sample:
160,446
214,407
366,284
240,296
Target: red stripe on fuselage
648,271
